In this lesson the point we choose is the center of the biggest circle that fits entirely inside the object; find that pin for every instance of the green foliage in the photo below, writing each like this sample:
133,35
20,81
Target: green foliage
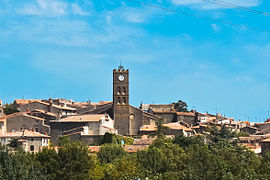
74,161
184,158
116,139
162,157
109,152
184,142
242,134
181,106
224,134
48,163
15,144
123,168
9,109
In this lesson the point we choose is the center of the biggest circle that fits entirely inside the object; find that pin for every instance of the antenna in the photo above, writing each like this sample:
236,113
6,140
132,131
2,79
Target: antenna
120,67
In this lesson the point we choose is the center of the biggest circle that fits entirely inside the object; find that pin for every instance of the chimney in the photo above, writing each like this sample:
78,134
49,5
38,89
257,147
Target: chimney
50,105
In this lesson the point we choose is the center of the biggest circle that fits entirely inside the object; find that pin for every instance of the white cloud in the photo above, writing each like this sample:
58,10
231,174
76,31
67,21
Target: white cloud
78,10
45,8
215,27
206,5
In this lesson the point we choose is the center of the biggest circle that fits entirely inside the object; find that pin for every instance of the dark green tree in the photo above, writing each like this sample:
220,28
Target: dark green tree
181,106
9,109
48,163
109,152
74,161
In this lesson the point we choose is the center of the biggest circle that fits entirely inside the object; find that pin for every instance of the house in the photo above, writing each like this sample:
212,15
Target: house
188,117
20,102
250,130
265,146
48,107
47,116
30,141
148,129
20,121
176,128
87,128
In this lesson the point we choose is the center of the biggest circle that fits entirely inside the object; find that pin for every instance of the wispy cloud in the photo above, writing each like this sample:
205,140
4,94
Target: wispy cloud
51,8
45,8
215,27
78,10
206,5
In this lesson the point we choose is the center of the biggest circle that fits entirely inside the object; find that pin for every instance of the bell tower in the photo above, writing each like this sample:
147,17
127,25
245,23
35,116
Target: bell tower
121,100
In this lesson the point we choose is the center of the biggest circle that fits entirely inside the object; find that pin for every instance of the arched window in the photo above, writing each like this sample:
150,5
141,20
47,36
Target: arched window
118,90
124,100
118,100
124,90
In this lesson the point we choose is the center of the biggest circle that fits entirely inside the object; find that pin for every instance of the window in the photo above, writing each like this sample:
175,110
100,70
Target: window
32,139
32,148
124,90
119,90
124,100
36,129
118,100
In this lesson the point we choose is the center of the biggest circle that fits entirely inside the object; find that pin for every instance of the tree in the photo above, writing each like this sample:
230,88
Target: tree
180,106
162,160
109,152
48,163
184,142
74,160
123,168
14,143
9,109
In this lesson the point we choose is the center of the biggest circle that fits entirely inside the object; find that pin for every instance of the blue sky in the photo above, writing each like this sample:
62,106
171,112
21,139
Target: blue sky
68,49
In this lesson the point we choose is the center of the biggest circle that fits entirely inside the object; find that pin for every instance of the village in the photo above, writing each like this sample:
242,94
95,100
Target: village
38,123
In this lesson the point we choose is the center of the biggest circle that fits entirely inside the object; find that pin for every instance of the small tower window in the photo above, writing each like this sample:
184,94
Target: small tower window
118,100
124,100
119,90
124,90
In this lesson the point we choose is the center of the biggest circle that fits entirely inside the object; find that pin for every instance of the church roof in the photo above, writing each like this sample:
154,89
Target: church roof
82,118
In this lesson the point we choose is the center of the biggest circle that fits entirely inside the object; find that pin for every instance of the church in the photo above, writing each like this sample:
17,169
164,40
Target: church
128,119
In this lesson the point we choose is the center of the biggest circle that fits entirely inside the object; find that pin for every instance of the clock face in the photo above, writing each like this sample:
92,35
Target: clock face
121,78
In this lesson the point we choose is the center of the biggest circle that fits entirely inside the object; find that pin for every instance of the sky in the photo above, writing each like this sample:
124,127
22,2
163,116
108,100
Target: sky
68,49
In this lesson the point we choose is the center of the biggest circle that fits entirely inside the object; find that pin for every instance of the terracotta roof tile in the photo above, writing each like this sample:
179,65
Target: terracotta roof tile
82,118
176,126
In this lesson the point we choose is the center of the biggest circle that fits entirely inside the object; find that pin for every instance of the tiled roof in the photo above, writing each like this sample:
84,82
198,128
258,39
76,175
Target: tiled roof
20,114
266,140
26,133
148,128
44,112
134,148
82,118
143,141
186,114
176,126
22,102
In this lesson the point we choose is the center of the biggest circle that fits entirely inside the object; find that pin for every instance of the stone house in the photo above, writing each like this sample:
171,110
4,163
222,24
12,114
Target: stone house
188,117
47,116
21,121
20,102
30,141
87,128
177,128
250,130
48,107
265,145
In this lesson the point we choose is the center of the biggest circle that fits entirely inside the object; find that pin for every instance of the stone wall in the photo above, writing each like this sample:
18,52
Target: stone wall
20,123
